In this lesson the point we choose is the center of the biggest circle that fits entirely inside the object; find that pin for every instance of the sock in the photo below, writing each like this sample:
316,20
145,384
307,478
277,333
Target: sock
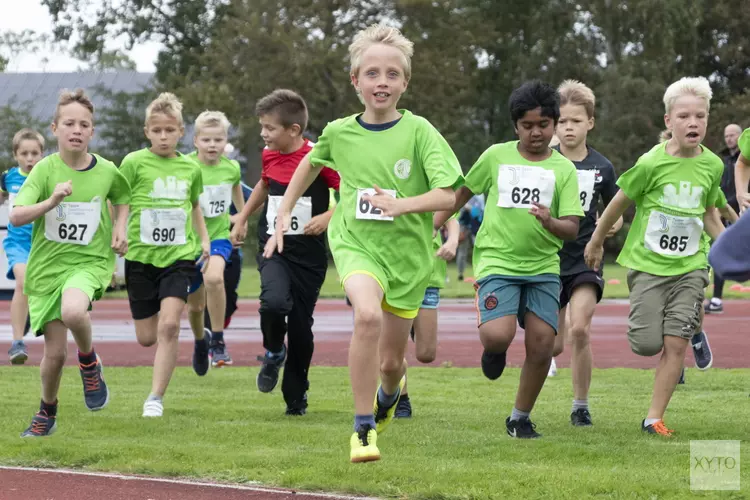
580,403
86,359
361,420
518,414
50,409
153,397
403,397
650,421
387,400
217,336
716,301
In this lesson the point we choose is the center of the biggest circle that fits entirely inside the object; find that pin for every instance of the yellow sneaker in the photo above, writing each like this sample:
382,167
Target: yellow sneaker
364,445
384,416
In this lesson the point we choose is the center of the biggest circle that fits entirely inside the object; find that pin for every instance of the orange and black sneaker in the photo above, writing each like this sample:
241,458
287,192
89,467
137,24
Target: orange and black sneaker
41,425
657,427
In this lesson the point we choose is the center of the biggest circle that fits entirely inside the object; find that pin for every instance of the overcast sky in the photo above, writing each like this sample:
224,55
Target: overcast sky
17,15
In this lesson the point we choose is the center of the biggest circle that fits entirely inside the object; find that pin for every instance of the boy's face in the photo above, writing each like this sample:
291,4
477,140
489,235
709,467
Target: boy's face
573,126
380,79
210,143
74,127
688,120
275,135
535,131
28,154
164,132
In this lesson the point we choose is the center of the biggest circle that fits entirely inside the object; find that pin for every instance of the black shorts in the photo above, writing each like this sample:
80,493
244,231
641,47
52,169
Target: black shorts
147,285
571,282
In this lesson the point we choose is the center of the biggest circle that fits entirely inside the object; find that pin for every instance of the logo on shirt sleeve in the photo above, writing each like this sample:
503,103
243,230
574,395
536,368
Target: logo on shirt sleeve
402,169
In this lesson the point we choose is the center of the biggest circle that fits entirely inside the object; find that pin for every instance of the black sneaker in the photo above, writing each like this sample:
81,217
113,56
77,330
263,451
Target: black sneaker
704,358
403,408
493,364
297,408
268,376
41,425
200,354
521,429
581,418
682,377
713,308
95,391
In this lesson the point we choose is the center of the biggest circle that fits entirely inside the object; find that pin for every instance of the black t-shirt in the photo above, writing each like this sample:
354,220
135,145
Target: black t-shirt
604,188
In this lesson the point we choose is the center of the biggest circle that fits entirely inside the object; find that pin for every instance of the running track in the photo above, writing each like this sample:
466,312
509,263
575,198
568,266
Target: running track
459,345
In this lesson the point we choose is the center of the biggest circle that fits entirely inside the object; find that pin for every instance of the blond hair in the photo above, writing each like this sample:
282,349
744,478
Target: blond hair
209,119
69,97
27,134
577,94
695,86
665,135
166,104
385,35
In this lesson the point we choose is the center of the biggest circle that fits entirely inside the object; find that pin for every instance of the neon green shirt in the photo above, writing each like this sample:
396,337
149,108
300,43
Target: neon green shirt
408,159
160,228
218,183
744,143
77,233
671,196
511,241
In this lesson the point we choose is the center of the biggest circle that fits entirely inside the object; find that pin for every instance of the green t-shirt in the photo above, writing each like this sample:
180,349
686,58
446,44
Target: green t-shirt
160,228
511,241
744,143
407,159
77,233
671,196
218,184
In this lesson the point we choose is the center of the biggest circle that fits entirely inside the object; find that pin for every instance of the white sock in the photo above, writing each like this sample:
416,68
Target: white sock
650,421
716,301
583,403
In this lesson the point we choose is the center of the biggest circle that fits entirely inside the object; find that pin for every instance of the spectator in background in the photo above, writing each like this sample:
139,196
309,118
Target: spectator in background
470,218
729,155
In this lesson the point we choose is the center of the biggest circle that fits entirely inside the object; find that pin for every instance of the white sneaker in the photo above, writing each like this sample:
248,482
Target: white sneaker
552,369
153,408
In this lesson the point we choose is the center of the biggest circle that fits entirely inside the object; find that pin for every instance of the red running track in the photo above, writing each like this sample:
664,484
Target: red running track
459,345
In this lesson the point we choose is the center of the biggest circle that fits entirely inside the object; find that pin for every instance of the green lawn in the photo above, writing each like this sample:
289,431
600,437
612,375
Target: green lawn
250,285
221,428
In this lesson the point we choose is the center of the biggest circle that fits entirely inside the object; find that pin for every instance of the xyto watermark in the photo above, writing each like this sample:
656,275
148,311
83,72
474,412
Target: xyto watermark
714,465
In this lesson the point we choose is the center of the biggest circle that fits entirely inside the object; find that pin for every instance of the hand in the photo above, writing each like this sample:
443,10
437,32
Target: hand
389,205
238,234
233,219
541,213
205,255
120,243
61,191
270,247
744,201
317,224
448,251
282,226
593,254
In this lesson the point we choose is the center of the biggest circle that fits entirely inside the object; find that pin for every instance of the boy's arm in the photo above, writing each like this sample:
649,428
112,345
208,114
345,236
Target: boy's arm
303,177
22,215
741,180
448,250
594,250
565,227
433,200
728,213
319,223
119,232
238,199
460,198
256,200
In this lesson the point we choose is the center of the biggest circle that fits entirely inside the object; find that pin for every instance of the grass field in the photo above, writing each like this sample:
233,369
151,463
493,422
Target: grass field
250,285
221,428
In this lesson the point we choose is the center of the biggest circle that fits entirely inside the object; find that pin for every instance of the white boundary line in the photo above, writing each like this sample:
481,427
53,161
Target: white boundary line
185,482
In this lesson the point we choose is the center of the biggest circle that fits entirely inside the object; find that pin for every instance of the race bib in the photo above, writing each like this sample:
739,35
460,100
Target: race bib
301,215
365,210
74,223
672,235
163,226
215,200
519,186
586,182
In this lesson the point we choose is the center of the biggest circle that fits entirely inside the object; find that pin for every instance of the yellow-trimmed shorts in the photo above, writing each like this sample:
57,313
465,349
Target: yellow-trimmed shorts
401,313
44,309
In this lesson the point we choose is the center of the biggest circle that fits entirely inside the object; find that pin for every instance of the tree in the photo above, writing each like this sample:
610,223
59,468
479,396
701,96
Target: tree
13,117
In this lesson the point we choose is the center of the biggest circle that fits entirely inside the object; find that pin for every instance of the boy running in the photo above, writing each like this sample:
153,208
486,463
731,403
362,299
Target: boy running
27,151
675,187
221,189
66,195
290,282
582,288
533,205
396,169
164,226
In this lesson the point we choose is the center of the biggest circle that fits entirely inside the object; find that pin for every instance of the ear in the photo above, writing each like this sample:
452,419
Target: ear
515,129
295,129
667,121
53,127
592,122
182,130
145,131
195,141
355,81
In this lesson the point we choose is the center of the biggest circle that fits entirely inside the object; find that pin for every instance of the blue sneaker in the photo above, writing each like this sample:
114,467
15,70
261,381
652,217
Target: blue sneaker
95,390
18,353
704,358
268,376
41,425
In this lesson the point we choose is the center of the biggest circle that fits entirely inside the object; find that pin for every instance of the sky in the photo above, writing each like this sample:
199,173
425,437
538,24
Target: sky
18,15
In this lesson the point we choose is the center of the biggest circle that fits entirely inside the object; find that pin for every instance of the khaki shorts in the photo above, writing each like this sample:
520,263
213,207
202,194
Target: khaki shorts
664,305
